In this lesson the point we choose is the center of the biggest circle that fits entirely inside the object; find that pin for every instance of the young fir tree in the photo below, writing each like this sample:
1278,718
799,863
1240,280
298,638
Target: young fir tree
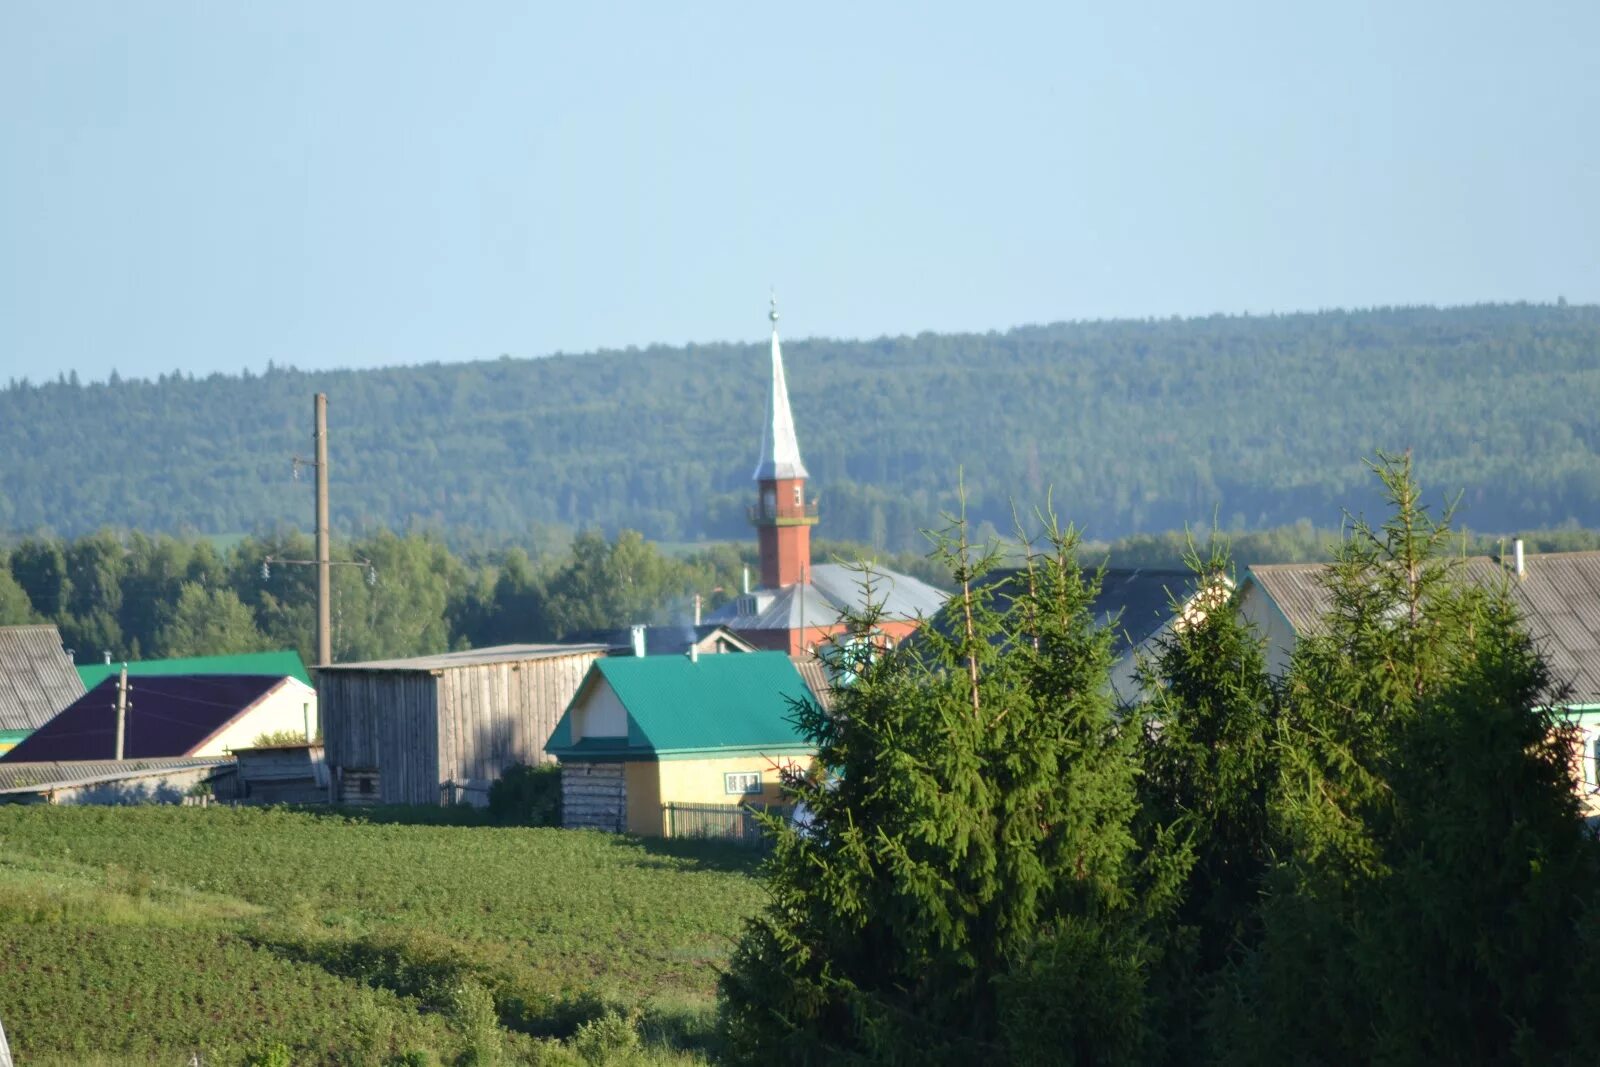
973,806
1434,878
1207,765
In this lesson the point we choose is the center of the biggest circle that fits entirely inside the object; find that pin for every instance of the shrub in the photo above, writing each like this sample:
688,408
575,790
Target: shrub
527,796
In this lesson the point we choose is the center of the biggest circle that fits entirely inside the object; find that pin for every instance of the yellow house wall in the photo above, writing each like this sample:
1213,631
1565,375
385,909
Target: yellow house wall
695,781
644,797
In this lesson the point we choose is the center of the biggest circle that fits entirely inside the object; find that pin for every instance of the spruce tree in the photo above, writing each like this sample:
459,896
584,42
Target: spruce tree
1433,875
972,807
1207,766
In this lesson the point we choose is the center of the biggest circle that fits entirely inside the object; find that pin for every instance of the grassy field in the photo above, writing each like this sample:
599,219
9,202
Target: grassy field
150,935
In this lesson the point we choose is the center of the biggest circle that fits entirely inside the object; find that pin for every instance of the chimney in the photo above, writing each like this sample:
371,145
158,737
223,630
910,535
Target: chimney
107,655
697,609
694,652
747,579
1516,550
638,640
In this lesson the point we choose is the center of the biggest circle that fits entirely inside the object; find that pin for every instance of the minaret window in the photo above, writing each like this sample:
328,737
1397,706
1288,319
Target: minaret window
797,498
769,501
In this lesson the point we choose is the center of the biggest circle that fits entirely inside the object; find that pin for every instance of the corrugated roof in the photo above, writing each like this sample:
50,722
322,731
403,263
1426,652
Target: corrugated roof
36,676
167,717
1558,594
678,705
834,589
900,595
57,773
286,663
472,657
815,675
790,608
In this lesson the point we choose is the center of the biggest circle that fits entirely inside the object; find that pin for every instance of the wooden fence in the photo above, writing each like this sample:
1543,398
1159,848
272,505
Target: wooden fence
722,822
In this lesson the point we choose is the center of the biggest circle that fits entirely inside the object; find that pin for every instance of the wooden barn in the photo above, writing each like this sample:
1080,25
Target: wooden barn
439,729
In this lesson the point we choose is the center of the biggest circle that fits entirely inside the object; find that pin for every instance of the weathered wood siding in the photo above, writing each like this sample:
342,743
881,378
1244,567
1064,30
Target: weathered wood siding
594,796
383,721
282,775
495,714
442,735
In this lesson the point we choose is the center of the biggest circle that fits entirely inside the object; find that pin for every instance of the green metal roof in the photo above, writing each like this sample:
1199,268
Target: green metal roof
271,663
718,704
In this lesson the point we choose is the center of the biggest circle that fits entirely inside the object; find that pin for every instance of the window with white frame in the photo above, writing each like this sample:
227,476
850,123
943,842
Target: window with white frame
741,782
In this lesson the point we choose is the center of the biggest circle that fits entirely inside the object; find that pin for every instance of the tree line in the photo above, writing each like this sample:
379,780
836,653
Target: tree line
135,596
1140,425
1379,858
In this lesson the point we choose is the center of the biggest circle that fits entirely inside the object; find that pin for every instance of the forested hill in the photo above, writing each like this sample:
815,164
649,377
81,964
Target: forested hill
1137,425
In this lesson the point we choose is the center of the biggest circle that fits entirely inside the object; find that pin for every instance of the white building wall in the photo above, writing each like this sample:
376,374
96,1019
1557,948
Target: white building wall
291,706
600,714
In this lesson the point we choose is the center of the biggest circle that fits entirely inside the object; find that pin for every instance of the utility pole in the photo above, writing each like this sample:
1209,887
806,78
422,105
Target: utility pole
122,708
324,597
323,561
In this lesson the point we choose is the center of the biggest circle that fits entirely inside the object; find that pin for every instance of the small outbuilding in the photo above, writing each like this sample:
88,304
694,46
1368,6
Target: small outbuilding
177,716
646,735
440,729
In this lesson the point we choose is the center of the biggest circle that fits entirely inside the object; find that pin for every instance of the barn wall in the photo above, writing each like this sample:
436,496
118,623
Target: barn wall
382,721
495,714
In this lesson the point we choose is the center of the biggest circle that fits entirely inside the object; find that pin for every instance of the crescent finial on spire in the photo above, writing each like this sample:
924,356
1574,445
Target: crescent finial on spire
772,312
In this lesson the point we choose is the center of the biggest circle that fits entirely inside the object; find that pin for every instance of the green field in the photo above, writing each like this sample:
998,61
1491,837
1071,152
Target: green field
149,935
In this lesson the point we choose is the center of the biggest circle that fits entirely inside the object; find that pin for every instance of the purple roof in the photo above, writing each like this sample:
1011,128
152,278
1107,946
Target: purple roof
167,717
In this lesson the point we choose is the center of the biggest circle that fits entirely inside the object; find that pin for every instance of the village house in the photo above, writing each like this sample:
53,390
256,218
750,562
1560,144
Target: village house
648,737
440,729
171,717
797,607
1558,594
37,680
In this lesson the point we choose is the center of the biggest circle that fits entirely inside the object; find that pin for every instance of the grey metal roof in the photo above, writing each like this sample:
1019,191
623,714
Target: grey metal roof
472,657
788,608
901,596
37,678
1558,594
662,640
56,773
834,589
815,675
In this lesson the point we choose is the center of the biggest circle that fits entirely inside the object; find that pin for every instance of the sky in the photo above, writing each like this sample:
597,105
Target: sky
213,186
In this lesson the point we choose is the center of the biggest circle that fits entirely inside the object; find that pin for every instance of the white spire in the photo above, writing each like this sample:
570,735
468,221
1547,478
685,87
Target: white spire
780,451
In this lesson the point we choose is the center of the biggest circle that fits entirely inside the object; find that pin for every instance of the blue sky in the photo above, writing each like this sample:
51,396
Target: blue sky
209,186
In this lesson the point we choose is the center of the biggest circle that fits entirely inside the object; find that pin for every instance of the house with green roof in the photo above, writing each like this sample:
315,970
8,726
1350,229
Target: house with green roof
284,664
645,732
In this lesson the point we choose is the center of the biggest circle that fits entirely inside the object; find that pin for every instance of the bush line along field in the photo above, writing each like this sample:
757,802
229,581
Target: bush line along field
148,935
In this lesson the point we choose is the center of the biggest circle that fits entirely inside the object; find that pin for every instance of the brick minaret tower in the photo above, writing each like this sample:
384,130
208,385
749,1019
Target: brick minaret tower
782,516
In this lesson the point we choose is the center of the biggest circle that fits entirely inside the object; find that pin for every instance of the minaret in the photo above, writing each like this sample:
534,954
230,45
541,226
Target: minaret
782,516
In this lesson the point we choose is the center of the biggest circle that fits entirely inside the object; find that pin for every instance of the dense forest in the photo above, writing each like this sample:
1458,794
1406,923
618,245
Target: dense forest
1134,425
